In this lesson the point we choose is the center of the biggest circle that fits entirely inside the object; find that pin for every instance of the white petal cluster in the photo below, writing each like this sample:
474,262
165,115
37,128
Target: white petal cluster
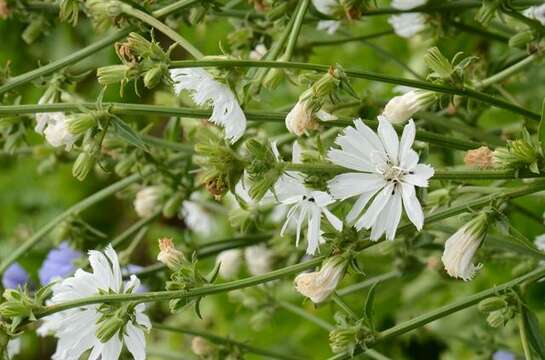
329,26
54,126
258,52
407,4
258,259
386,171
407,25
196,217
148,200
536,13
302,117
461,247
318,285
401,108
230,261
306,205
13,348
205,90
326,7
76,328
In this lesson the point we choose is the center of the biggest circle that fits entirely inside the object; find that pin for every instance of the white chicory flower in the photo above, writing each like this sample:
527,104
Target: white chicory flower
318,285
207,90
536,13
258,52
386,169
307,205
329,26
461,247
148,200
196,217
80,329
229,261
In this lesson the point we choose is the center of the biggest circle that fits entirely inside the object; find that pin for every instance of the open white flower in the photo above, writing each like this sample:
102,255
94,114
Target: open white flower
401,108
536,13
326,7
54,125
387,171
307,205
407,25
461,247
196,217
329,26
318,285
84,328
258,259
148,200
258,52
13,347
229,261
407,4
206,90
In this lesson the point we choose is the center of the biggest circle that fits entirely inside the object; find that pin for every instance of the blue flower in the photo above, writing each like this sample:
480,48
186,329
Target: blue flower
14,276
503,355
59,263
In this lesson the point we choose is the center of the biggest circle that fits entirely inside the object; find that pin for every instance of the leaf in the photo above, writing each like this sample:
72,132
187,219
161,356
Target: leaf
531,323
369,306
541,129
198,308
128,134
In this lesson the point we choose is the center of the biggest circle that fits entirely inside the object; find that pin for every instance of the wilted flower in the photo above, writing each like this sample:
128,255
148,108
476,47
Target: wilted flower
229,261
387,171
318,285
259,259
307,205
4,10
58,264
300,118
148,200
100,327
401,108
14,277
481,158
169,255
205,89
461,247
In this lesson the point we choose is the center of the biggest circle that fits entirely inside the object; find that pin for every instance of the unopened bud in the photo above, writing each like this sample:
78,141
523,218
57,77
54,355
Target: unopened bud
114,74
343,339
10,309
34,30
492,304
110,327
273,78
83,165
104,8
172,206
169,255
521,39
278,11
437,62
124,166
153,76
80,123
326,84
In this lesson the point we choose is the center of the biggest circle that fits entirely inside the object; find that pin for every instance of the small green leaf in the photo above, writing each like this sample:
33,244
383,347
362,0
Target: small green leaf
541,129
128,134
530,321
198,308
369,307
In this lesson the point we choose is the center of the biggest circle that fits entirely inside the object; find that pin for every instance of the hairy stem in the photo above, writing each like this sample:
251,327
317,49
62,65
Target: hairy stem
296,28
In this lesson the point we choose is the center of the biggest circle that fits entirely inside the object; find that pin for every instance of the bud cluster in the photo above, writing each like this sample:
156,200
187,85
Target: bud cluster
499,310
523,153
444,71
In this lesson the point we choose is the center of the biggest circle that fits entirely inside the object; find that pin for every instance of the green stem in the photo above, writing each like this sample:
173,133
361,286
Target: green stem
304,314
183,294
345,40
465,91
296,29
523,334
76,209
505,73
444,311
153,22
344,306
225,341
440,174
178,5
368,283
148,110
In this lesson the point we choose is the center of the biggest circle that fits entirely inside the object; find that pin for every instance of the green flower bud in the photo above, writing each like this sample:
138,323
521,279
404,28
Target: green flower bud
83,165
326,84
521,39
110,326
173,205
492,304
69,11
80,123
343,339
523,151
495,319
124,166
34,30
273,78
11,309
114,74
278,11
196,14
153,76
438,63
104,8
487,11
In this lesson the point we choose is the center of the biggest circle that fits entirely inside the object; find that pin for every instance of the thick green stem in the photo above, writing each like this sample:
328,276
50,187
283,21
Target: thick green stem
183,294
74,210
332,42
368,283
505,73
465,91
153,22
225,341
179,5
296,29
149,110
444,311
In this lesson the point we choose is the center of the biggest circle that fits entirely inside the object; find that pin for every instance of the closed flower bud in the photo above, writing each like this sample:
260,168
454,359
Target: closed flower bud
492,304
278,10
110,326
169,255
148,200
273,78
114,74
258,259
401,108
326,84
437,62
201,347
34,30
104,8
496,319
83,165
521,39
69,11
481,158
11,309
124,166
80,123
523,151
155,75
300,118
172,206
229,261
318,285
461,247
343,339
